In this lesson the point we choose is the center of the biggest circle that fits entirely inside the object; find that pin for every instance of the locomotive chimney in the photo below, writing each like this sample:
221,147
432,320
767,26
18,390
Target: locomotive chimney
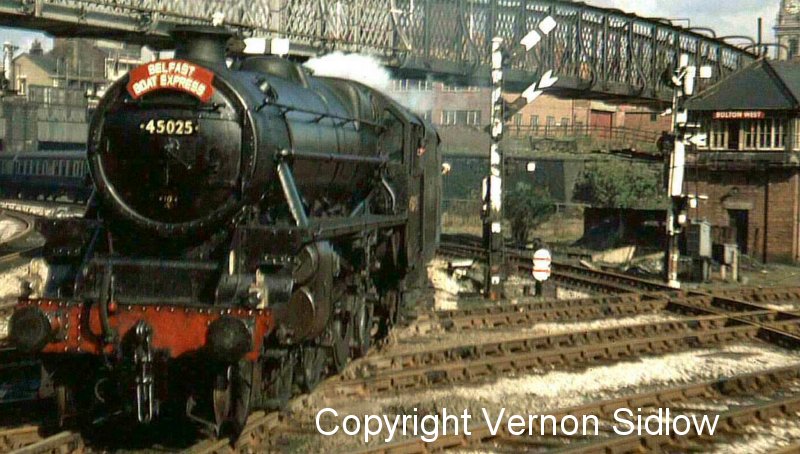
203,44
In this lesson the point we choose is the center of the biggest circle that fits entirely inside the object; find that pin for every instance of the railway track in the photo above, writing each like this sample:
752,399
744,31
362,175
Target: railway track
446,367
15,438
528,311
780,387
258,435
610,282
16,246
581,277
40,209
703,320
66,442
25,220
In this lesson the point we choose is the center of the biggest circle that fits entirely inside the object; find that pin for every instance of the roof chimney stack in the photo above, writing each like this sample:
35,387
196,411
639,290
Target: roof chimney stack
36,48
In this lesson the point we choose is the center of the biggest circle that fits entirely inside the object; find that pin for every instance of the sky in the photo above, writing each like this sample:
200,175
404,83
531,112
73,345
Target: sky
726,17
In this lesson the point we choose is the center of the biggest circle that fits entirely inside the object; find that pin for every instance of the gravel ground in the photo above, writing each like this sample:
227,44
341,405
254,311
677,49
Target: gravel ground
9,288
765,439
3,327
35,272
556,389
11,280
447,286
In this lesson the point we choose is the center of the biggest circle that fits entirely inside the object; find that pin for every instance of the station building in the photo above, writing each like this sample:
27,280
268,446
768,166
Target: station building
750,168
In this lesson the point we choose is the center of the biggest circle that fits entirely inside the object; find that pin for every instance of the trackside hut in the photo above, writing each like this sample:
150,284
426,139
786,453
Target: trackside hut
750,168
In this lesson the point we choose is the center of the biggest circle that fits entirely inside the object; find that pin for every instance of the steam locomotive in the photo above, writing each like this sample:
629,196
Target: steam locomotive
252,228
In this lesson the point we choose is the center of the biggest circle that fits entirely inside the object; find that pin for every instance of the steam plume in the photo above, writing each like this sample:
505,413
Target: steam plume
360,68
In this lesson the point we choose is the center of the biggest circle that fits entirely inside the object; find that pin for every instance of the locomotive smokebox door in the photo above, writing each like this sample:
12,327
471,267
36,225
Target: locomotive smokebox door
172,145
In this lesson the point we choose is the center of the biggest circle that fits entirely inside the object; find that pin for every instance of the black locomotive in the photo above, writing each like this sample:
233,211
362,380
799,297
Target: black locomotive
252,228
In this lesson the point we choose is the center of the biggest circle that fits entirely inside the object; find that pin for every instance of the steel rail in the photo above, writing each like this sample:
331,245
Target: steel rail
730,422
28,220
604,281
383,364
529,314
24,219
453,372
18,437
63,442
256,436
626,284
742,384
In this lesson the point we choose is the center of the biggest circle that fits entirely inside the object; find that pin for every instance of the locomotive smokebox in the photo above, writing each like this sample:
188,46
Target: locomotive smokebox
206,45
30,330
228,339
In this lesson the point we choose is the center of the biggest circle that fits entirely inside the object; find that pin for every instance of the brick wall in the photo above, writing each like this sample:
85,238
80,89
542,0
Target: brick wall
647,121
440,97
574,111
771,199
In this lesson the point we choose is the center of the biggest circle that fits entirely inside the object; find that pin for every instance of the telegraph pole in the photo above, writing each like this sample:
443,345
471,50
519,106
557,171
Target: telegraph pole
684,134
493,185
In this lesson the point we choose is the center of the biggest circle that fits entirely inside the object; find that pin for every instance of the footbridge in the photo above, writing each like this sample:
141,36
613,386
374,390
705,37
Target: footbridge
595,52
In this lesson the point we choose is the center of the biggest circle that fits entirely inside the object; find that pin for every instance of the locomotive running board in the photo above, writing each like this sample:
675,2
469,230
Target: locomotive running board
335,227
324,229
328,228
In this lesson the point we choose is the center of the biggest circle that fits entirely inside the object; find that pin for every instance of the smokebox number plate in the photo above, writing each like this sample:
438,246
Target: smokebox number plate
169,127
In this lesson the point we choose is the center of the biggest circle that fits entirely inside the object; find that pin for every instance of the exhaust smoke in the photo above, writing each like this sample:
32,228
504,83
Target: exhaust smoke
356,67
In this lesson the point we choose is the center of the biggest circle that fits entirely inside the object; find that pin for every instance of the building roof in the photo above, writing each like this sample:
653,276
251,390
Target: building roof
763,85
45,62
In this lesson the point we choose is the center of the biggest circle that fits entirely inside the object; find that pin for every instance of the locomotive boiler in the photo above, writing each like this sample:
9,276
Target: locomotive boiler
252,228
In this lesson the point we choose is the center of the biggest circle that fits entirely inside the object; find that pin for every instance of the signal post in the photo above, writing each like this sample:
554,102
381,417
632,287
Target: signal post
493,185
684,135
493,239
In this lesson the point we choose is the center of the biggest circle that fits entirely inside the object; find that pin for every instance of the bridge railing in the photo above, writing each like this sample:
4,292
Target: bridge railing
602,51
579,130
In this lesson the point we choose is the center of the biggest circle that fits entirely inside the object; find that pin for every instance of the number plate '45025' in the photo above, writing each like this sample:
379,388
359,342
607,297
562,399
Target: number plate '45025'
169,127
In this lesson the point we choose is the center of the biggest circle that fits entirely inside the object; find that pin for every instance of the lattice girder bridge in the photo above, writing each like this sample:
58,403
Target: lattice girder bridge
597,52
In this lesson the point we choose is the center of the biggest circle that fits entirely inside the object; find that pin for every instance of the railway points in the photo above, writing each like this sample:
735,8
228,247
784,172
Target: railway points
398,368
255,245
484,342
